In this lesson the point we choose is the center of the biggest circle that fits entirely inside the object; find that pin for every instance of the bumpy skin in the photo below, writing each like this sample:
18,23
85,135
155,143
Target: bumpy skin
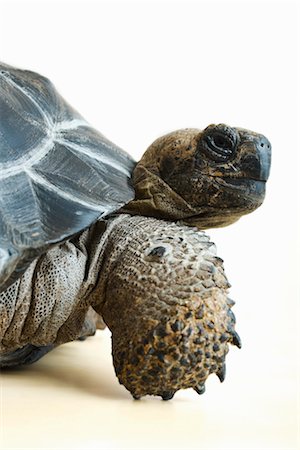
161,290
167,307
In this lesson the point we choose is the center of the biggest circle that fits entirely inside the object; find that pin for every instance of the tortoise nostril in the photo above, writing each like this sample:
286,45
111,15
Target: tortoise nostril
263,142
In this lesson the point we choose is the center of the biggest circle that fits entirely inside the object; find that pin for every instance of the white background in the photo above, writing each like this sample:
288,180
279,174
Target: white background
139,69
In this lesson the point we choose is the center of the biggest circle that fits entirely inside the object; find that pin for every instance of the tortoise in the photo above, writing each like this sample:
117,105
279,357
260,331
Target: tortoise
91,238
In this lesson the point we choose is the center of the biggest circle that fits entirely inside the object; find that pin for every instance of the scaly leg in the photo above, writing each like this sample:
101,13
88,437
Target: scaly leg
166,303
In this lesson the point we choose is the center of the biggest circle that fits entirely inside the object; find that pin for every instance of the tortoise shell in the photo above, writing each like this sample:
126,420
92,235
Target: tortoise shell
57,173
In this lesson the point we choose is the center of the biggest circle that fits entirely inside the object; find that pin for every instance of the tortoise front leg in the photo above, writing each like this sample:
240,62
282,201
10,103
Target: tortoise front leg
167,307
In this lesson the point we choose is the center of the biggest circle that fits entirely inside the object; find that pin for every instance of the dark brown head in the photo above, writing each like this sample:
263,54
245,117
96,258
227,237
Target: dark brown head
207,178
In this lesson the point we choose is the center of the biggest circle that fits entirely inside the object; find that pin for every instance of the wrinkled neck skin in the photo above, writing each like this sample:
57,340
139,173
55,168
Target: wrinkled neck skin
155,198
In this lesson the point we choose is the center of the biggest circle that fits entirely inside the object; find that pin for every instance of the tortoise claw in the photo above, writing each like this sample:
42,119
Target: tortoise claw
200,389
167,395
230,302
221,373
136,397
236,340
232,316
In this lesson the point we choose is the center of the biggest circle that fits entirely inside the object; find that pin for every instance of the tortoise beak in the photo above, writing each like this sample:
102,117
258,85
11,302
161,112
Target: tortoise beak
264,152
256,163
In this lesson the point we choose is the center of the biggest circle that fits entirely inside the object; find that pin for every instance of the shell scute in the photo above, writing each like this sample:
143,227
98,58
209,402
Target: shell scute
57,174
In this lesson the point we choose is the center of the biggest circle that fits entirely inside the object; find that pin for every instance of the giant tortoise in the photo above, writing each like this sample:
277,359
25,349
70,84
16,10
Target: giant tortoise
89,237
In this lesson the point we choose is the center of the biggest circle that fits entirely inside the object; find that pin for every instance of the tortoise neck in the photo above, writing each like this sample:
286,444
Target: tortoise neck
155,198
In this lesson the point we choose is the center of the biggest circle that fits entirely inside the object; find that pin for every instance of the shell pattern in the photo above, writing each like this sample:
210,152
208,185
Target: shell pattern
57,173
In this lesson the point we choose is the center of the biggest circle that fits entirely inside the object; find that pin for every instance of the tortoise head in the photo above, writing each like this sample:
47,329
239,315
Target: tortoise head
206,178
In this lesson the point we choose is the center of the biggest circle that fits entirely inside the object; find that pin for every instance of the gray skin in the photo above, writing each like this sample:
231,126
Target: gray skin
148,270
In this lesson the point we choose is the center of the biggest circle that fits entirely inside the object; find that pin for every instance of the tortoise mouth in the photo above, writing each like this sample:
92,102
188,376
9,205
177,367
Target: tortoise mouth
236,180
251,186
234,197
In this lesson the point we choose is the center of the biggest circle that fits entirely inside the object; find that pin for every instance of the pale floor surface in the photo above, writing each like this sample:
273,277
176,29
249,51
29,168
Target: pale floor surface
71,399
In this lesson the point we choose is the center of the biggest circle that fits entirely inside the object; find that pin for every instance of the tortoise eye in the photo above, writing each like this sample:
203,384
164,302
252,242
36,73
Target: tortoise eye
219,143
